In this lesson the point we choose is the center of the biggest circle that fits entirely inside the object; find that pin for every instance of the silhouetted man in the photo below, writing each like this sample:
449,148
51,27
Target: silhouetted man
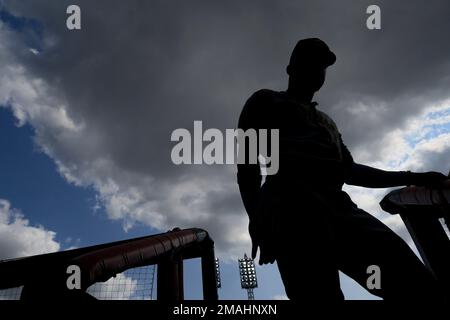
300,217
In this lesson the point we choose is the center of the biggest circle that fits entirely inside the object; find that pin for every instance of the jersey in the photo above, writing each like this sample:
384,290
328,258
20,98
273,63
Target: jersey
312,153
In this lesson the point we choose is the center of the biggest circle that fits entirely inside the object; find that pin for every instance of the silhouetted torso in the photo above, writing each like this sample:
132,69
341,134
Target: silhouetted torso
312,154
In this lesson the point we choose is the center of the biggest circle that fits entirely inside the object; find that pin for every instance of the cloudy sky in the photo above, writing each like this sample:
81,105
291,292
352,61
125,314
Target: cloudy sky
86,115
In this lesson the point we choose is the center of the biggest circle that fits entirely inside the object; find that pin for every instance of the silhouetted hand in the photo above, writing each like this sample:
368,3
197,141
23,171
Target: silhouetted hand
261,233
428,179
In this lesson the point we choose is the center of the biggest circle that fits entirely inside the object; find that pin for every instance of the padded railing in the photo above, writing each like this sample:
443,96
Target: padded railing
426,214
45,276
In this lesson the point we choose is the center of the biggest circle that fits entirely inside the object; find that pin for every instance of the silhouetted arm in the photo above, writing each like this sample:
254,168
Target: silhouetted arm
369,177
249,175
249,180
365,176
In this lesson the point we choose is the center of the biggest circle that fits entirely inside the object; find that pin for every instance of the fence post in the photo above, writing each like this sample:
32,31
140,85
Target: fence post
209,272
170,279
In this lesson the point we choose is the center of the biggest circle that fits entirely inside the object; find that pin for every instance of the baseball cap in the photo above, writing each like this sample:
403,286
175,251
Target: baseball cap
311,51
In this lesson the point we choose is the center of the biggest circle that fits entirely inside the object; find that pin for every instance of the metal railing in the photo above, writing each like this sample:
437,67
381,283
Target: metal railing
426,214
45,276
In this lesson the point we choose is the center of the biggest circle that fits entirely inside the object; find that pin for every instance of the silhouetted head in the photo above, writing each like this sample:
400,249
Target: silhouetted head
307,66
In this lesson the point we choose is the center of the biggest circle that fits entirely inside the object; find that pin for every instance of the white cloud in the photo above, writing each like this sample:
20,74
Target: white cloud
18,238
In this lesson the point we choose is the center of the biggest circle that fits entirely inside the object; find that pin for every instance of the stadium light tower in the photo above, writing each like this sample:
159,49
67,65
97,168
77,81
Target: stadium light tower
247,273
218,282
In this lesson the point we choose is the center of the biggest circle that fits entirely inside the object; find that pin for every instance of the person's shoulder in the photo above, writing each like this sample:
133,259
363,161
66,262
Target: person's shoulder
264,95
324,115
256,107
327,119
259,101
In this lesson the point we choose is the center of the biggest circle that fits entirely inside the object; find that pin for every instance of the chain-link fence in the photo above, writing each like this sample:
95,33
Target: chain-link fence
11,293
133,284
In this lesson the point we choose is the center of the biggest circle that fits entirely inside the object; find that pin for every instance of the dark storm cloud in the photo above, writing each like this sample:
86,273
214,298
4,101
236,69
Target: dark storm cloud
138,70
156,66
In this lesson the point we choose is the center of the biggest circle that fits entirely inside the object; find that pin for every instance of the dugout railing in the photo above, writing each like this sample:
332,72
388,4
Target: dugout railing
45,276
